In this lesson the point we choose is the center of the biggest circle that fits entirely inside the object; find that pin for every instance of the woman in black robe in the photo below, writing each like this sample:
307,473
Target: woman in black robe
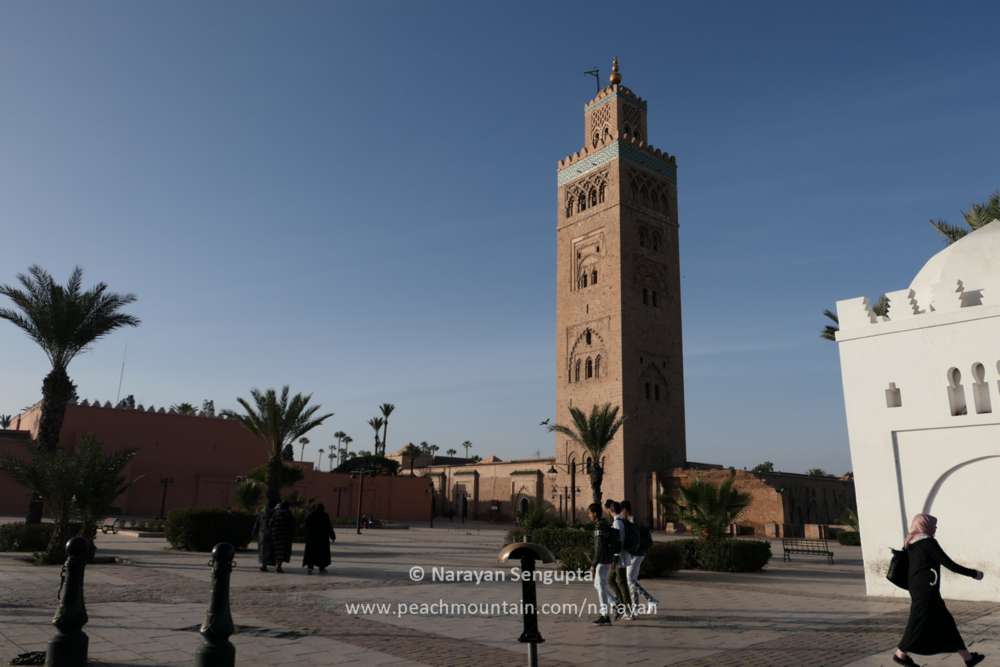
319,535
262,534
282,531
931,628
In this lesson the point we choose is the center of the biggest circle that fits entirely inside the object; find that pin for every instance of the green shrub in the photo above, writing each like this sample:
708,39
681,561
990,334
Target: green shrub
662,559
553,538
25,537
727,555
850,538
201,529
575,558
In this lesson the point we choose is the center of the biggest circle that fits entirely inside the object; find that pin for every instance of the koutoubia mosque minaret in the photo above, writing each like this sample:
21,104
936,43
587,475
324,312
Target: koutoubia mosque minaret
618,298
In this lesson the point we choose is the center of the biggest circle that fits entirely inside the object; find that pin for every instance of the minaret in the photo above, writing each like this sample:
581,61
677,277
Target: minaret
618,307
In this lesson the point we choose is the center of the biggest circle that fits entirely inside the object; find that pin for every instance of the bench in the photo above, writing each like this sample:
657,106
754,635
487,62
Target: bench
795,545
110,525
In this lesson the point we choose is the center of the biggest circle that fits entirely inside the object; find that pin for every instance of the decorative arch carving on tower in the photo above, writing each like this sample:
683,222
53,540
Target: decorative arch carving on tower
650,192
590,358
588,259
585,193
647,272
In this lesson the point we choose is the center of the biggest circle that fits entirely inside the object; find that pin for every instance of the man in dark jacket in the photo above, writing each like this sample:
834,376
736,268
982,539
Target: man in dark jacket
600,562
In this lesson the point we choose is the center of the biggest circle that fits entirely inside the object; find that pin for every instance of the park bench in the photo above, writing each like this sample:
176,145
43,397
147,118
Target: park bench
110,525
796,545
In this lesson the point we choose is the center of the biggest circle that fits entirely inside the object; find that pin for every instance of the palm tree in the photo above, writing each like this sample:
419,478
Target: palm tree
977,216
376,424
829,332
319,463
302,452
386,409
451,452
710,509
411,451
424,447
330,456
594,434
817,472
64,320
347,446
467,444
278,421
184,409
5,422
339,435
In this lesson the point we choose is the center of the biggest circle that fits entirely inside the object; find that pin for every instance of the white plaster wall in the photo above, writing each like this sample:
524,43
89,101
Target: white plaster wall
899,454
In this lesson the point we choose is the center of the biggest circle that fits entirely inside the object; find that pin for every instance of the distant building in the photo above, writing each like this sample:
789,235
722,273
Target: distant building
920,385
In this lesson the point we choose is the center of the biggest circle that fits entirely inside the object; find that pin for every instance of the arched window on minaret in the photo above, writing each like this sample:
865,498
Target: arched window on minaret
597,367
576,371
583,279
593,277
600,193
587,336
569,206
581,203
590,368
593,196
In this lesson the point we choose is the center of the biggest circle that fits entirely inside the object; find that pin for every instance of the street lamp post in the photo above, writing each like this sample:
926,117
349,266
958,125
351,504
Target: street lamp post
164,482
571,468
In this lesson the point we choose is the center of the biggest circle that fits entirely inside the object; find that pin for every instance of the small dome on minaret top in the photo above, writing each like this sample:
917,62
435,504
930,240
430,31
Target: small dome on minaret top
616,76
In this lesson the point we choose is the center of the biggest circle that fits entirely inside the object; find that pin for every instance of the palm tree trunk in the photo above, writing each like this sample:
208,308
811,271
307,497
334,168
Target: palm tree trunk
596,478
274,471
385,434
57,391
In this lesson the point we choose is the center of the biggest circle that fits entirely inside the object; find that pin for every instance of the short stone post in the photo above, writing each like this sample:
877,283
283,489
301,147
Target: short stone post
218,651
69,647
528,553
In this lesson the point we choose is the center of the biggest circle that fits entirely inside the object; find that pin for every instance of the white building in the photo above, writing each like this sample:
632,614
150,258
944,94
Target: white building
922,395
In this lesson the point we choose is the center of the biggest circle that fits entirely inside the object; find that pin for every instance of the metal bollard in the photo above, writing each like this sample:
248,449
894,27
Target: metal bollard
528,553
69,647
218,651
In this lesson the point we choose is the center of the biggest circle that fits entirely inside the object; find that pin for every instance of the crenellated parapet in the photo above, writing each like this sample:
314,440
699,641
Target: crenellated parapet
965,275
152,409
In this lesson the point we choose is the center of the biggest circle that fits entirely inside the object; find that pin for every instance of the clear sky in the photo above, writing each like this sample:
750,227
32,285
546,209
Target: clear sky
358,199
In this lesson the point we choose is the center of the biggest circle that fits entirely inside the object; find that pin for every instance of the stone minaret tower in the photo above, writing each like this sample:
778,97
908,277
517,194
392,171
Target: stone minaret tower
618,299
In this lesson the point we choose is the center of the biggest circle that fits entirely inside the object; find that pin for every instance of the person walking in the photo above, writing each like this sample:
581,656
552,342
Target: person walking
319,535
600,562
282,531
619,568
638,554
262,534
931,628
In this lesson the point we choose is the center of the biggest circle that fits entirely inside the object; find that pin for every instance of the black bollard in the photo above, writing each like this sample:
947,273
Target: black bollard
528,553
69,647
218,651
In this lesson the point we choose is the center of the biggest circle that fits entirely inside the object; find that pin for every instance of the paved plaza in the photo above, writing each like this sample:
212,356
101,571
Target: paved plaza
144,611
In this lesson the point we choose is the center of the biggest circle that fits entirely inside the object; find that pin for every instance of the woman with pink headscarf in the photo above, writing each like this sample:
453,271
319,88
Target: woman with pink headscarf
931,628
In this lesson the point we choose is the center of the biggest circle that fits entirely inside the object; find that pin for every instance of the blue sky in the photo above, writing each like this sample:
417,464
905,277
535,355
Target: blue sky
358,199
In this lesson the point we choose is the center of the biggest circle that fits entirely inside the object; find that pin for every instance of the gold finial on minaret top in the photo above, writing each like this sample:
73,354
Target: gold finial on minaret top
616,76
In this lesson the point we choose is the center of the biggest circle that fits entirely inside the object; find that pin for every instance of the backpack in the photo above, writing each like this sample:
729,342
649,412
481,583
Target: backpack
631,537
612,540
645,541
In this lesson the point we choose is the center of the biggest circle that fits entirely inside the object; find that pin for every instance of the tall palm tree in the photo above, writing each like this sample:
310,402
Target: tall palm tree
452,452
5,421
339,435
302,452
978,215
594,434
347,446
184,409
64,320
829,332
386,409
278,421
376,424
424,447
467,444
330,455
411,451
319,461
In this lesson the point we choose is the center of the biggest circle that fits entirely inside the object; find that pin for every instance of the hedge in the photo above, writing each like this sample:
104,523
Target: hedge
25,537
566,544
727,555
662,559
202,529
851,538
